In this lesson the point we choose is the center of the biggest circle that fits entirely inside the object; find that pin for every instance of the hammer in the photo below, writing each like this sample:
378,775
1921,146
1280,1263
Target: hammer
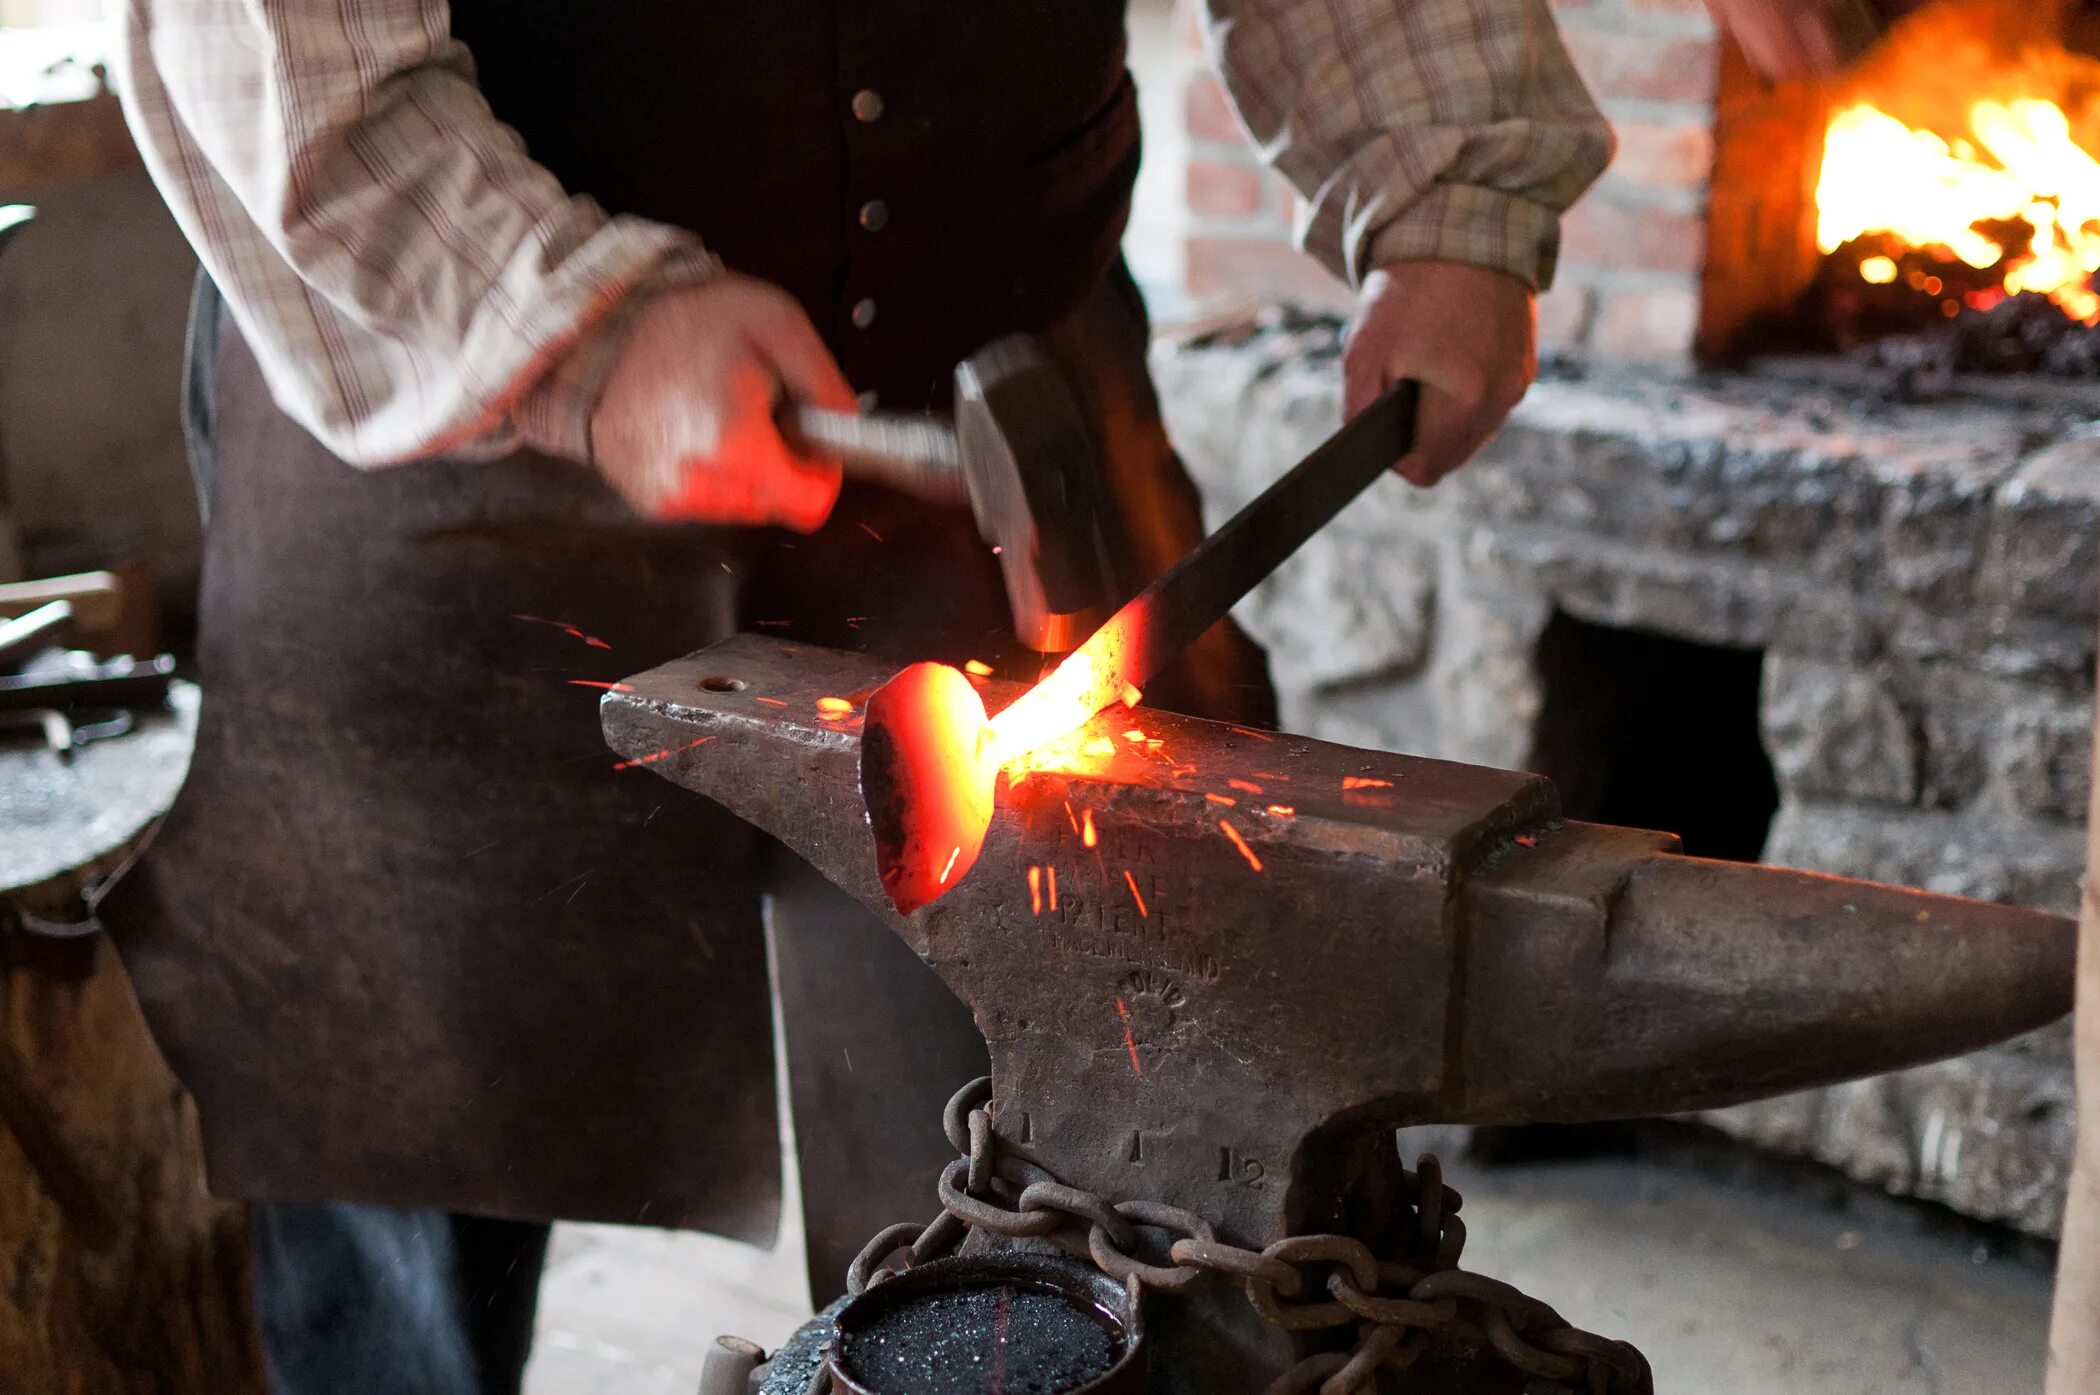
1019,455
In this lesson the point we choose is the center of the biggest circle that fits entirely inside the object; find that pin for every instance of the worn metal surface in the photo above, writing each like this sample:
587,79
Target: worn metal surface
65,824
1422,941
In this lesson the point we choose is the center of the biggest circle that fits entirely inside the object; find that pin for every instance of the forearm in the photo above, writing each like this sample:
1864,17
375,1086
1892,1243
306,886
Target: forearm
1440,130
411,280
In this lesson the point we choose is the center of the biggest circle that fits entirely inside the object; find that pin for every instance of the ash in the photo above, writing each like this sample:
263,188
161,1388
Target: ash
951,1344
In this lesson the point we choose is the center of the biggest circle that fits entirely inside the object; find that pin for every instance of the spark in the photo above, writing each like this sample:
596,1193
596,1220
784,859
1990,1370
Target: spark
831,707
949,870
1247,786
1129,1037
1240,843
978,667
772,702
1136,895
1035,888
566,628
1282,811
1364,782
1225,799
869,531
1525,840
1249,731
1071,817
1053,887
594,683
1086,829
655,756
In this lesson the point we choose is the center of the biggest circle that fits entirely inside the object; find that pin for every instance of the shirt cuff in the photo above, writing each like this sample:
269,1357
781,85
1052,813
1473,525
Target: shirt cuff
554,415
1477,226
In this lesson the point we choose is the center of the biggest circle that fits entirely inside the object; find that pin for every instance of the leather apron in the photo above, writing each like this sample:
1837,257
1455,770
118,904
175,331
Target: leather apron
408,935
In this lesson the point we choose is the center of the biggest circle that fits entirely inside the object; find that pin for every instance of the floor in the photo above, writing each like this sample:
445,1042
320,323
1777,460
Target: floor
1732,1286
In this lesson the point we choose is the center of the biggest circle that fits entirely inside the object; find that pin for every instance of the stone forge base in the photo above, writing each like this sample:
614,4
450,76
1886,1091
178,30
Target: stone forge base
1776,611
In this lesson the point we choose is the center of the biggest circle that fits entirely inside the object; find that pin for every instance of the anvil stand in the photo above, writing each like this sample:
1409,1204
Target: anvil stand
1333,943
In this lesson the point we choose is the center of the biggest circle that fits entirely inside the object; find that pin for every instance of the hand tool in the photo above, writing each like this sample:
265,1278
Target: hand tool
1272,950
1018,453
930,758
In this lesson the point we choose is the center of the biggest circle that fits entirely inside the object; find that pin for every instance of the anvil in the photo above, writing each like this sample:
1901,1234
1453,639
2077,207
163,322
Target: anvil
1271,951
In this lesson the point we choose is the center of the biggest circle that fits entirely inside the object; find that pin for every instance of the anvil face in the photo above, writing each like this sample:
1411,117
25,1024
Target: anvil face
1211,968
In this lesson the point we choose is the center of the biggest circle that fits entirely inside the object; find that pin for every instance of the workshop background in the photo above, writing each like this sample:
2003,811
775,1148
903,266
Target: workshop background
1833,608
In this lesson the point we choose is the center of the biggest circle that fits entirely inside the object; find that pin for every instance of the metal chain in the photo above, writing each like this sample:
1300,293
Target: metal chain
1397,1306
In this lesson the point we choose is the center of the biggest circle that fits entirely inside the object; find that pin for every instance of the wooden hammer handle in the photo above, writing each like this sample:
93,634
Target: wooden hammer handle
915,455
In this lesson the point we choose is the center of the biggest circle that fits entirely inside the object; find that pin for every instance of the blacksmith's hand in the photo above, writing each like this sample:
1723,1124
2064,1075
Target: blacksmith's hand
1468,335
685,426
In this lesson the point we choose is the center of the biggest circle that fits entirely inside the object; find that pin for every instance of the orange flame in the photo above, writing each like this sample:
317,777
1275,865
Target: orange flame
2019,163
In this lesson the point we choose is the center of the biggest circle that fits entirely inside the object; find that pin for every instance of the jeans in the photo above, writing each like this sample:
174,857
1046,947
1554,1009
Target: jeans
368,1300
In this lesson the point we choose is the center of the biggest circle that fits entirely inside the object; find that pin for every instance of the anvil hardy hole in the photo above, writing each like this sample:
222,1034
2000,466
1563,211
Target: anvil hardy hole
1653,732
719,684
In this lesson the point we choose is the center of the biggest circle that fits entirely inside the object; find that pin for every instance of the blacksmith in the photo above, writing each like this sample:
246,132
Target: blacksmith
499,298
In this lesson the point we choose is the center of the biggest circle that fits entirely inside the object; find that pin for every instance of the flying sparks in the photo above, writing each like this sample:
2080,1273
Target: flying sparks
1035,888
1053,886
832,708
1129,1037
949,870
1364,782
1245,786
1086,829
666,753
1240,843
594,683
1225,799
566,628
1136,895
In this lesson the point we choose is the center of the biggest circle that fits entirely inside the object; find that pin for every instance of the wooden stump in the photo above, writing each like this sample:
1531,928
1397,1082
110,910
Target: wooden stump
118,1274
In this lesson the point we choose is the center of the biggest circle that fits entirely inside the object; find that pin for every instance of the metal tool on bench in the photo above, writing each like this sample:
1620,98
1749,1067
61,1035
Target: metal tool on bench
1273,950
69,696
1019,455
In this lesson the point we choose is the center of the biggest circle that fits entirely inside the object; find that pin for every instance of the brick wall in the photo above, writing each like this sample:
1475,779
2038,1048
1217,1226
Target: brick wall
1629,277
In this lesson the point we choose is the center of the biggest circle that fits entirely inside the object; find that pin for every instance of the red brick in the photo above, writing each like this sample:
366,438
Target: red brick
1605,233
1619,64
1565,313
1219,190
1650,325
1208,111
1260,269
1664,154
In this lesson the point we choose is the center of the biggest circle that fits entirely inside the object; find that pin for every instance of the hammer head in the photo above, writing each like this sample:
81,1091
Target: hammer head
1028,460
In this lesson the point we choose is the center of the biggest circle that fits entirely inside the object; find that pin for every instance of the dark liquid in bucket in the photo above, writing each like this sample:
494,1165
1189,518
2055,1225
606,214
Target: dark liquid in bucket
996,1340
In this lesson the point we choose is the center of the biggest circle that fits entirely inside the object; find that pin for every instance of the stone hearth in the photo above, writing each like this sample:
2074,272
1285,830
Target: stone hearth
1648,577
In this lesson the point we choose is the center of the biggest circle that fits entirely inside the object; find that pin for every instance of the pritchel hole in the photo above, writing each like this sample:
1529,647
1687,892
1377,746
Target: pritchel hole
723,685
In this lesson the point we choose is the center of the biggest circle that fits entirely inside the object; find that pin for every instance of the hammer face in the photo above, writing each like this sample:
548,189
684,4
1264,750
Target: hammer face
1030,466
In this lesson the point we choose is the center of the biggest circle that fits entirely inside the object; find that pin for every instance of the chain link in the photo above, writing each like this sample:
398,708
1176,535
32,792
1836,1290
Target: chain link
1397,1305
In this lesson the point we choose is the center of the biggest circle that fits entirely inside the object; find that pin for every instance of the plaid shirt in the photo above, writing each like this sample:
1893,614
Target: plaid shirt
413,283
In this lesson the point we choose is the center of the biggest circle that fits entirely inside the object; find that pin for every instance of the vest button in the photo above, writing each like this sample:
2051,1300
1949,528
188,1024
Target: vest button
874,215
863,313
867,105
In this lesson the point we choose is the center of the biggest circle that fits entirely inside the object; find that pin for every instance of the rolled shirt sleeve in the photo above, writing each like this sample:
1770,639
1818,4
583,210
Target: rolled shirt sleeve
411,281
1446,130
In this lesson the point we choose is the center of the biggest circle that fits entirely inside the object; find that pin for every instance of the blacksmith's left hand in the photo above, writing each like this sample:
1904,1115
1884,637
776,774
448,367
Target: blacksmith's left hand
1468,335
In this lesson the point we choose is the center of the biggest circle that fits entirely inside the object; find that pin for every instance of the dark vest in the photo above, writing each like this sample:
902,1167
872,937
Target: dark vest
922,176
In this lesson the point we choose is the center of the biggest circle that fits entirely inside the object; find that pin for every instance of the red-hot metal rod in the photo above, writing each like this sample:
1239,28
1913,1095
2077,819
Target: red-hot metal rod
929,759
